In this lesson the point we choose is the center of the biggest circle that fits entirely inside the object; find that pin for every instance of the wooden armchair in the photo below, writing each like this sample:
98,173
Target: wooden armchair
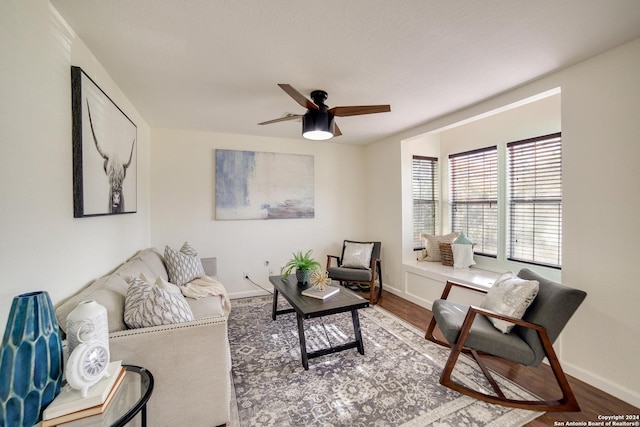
358,275
467,329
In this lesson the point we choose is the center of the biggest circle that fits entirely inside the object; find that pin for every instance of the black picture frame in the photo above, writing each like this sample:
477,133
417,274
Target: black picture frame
105,171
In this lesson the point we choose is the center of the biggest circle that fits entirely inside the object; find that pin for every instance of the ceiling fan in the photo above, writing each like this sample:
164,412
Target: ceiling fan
318,122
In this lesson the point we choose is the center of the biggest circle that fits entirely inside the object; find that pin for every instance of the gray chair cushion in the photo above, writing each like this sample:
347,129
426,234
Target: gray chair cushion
349,274
483,335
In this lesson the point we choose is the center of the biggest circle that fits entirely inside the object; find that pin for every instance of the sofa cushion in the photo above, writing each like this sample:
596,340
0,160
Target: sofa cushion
166,285
205,307
206,287
154,261
108,291
134,268
148,304
183,266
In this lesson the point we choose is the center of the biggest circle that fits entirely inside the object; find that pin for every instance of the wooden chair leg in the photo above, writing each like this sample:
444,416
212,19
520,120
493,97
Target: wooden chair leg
567,403
429,334
378,295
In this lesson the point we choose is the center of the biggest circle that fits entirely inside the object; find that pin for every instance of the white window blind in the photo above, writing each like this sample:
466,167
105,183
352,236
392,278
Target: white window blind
474,197
535,200
425,197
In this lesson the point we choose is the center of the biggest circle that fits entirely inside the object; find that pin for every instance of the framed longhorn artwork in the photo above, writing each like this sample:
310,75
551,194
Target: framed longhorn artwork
104,152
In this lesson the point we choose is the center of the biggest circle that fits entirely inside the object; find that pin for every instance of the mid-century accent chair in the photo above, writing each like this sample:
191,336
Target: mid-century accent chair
358,267
468,329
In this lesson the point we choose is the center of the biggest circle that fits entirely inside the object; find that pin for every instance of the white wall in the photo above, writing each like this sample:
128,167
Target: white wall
183,204
601,127
601,226
42,247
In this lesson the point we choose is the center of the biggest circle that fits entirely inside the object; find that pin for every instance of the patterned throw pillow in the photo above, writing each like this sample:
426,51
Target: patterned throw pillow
147,304
357,255
183,266
511,296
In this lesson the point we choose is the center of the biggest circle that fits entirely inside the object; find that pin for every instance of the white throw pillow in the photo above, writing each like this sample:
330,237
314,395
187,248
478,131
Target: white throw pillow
511,296
183,266
147,304
357,255
462,255
432,245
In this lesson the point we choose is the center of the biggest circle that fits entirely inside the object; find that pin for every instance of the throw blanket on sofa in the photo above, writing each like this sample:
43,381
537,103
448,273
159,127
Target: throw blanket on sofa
205,286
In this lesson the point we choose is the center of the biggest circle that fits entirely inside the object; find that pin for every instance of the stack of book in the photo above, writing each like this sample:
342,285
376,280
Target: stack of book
69,405
320,294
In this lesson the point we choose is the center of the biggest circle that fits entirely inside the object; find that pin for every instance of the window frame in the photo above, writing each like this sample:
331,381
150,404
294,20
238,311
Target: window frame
544,191
463,195
432,182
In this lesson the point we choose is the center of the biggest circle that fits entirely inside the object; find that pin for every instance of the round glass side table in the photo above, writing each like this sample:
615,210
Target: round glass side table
130,400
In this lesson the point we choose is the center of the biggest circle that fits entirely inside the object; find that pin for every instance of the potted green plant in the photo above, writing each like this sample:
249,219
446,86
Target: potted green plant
303,264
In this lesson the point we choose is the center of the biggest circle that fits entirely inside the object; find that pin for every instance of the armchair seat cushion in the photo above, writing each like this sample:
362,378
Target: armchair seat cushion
483,336
349,274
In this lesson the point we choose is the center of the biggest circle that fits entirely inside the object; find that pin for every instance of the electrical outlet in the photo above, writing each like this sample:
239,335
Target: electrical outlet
271,272
245,274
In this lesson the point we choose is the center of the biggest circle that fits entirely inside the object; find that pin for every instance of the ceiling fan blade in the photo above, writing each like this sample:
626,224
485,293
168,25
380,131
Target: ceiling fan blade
298,97
336,130
357,110
282,119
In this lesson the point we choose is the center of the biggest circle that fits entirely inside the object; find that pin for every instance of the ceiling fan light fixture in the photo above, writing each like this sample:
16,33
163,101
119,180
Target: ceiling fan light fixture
317,125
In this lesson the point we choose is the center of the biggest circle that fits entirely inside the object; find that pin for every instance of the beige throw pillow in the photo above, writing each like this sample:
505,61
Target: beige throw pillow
431,250
511,296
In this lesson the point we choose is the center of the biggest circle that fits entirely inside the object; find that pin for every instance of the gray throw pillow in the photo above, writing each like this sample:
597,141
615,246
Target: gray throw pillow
147,304
183,266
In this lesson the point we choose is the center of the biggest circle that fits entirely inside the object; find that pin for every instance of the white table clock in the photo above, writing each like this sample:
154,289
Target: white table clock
87,365
88,337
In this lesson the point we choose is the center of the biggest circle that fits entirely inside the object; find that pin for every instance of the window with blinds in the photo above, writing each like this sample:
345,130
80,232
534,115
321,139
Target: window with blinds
425,197
474,197
535,200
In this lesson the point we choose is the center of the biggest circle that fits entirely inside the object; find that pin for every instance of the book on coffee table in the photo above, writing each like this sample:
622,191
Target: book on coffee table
320,294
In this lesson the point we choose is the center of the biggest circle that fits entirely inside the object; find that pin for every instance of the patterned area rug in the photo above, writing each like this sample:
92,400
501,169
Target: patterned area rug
395,383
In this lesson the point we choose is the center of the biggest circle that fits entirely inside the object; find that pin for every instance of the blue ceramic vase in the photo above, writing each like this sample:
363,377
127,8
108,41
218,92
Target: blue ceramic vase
30,360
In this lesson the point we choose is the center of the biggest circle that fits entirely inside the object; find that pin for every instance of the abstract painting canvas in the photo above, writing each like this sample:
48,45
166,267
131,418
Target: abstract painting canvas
259,185
104,152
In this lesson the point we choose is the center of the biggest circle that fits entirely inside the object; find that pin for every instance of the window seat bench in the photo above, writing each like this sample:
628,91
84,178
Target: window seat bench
424,281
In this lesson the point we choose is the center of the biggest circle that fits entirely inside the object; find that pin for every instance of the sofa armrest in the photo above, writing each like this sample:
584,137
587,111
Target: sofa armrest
210,266
191,367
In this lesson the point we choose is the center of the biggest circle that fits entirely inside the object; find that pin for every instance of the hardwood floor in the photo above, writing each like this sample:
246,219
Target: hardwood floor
593,402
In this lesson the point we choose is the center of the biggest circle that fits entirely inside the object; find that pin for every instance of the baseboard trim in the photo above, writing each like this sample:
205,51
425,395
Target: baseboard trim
248,294
630,396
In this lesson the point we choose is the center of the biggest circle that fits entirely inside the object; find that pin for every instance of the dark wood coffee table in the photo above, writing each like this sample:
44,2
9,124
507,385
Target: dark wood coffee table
307,308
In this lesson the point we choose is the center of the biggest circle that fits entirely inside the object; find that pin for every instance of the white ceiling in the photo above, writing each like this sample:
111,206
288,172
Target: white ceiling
214,65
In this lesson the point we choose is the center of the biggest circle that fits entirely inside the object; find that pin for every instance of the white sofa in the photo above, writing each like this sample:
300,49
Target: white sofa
190,361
